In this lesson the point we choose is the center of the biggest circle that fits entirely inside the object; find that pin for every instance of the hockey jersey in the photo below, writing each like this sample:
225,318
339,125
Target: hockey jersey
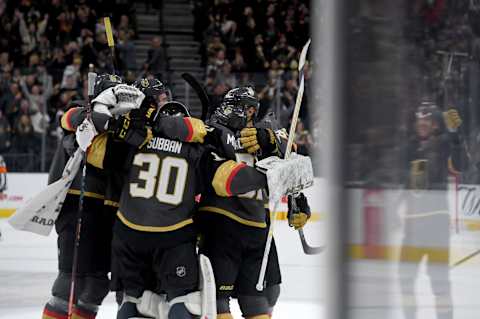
248,208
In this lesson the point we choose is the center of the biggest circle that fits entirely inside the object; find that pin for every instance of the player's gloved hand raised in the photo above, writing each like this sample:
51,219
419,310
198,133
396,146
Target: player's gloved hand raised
257,139
298,211
452,120
132,131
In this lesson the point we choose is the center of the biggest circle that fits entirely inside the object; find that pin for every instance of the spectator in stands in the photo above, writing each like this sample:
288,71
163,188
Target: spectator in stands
5,133
303,139
126,50
238,63
215,46
282,52
156,58
10,101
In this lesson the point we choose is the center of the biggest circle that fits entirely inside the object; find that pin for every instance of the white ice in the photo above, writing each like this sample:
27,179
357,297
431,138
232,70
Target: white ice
28,267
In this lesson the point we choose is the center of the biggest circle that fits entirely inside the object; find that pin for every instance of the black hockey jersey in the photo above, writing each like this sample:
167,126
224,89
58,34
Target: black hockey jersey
426,175
162,179
249,208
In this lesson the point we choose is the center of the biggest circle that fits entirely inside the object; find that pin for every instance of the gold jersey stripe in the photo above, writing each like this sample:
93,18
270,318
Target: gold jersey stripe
153,229
86,194
111,203
232,216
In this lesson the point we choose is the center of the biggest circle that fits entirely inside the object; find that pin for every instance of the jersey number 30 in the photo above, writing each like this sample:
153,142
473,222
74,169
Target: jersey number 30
160,170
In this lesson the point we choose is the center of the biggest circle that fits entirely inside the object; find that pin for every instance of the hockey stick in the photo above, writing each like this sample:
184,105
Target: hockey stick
202,95
465,259
291,136
78,228
111,42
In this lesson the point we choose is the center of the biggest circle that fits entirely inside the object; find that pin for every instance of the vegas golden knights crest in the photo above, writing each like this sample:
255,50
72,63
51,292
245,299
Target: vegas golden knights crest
144,83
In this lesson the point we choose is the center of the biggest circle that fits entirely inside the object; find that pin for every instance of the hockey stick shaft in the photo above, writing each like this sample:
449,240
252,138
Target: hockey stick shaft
291,137
78,228
201,93
110,42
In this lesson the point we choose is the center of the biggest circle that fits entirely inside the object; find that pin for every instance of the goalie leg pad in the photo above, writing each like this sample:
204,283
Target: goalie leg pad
149,304
252,306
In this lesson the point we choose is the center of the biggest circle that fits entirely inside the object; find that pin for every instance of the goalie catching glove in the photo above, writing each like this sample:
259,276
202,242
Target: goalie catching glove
254,140
119,99
298,211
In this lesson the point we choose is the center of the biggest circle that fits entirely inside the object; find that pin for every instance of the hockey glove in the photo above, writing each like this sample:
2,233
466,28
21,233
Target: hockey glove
133,131
452,120
254,140
298,211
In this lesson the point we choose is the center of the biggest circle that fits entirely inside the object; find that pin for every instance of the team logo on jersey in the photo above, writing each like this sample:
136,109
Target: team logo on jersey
144,83
181,271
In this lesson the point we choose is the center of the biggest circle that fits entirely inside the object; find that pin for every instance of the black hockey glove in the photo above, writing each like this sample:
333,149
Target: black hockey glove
298,211
132,131
256,140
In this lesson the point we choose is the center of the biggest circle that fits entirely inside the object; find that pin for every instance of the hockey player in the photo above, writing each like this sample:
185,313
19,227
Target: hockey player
94,249
154,232
235,229
435,149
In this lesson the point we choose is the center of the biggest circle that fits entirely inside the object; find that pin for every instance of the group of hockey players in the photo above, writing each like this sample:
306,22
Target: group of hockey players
160,189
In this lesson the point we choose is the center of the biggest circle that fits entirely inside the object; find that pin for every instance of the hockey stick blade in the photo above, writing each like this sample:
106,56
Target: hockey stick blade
201,93
307,249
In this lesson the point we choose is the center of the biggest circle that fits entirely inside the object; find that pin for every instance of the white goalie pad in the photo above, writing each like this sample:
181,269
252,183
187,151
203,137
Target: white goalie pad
148,304
39,214
286,176
201,303
208,288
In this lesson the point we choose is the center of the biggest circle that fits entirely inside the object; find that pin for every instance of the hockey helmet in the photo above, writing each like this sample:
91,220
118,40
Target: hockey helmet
174,108
232,112
105,81
150,87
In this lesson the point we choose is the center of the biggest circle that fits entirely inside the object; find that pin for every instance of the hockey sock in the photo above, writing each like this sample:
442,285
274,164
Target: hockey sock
179,311
259,317
52,312
80,312
224,316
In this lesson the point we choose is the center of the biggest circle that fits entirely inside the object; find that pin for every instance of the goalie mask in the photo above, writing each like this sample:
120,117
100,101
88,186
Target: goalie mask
105,81
174,108
238,107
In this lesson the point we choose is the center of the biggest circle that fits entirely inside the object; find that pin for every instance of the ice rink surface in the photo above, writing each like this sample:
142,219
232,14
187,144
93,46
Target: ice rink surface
28,266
